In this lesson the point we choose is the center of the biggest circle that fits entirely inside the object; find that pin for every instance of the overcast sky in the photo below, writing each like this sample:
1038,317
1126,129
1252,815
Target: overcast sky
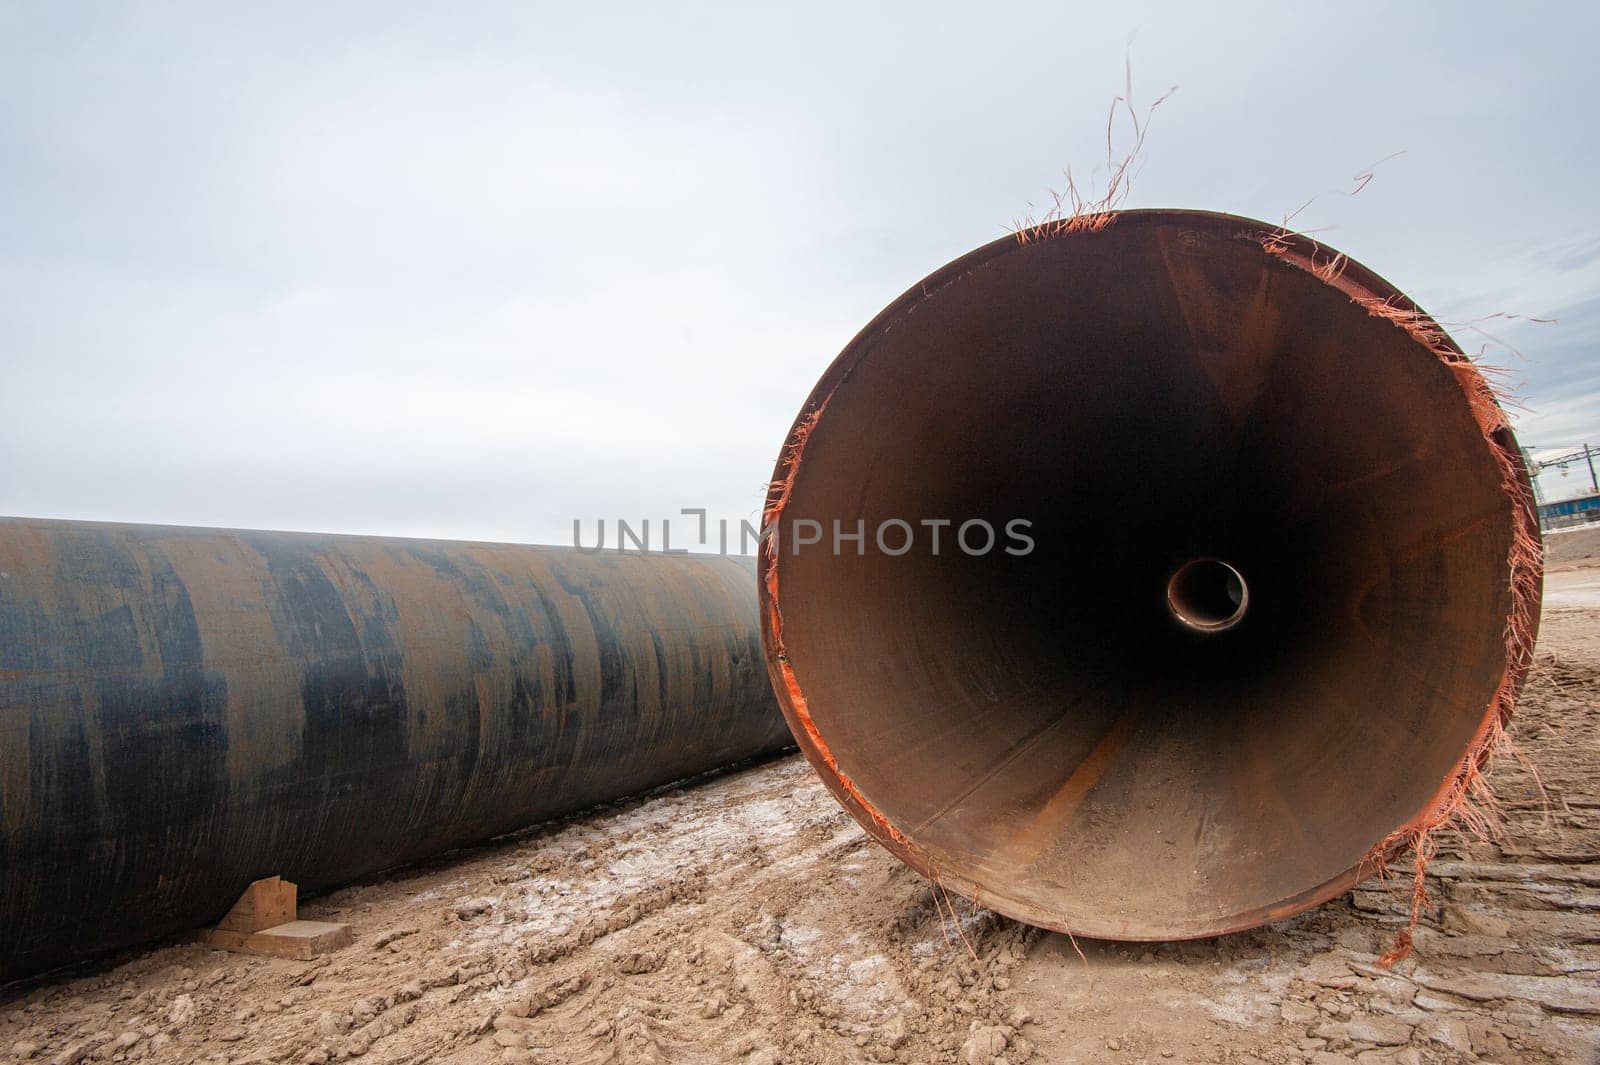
474,270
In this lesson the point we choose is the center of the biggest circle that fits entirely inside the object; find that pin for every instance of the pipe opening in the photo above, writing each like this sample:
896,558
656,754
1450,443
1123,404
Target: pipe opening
1208,595
1158,396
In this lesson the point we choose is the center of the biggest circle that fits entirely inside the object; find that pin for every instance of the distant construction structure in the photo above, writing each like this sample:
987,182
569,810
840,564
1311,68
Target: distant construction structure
1569,512
1564,513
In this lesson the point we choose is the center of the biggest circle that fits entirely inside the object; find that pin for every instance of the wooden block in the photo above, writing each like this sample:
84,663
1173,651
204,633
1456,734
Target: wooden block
294,939
266,903
263,922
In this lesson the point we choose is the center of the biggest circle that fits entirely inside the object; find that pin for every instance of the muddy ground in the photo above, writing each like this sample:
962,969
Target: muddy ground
747,919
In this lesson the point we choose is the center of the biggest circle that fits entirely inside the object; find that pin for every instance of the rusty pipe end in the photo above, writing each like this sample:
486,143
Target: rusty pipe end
1294,633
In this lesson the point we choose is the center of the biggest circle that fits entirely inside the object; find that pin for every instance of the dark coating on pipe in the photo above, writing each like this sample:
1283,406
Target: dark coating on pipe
1038,734
185,710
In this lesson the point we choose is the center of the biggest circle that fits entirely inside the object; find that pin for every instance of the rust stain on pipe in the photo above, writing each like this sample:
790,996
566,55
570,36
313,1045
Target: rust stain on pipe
183,711
1042,731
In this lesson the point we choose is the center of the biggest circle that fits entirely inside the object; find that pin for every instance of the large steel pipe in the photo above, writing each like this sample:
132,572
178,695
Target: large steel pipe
185,710
1280,593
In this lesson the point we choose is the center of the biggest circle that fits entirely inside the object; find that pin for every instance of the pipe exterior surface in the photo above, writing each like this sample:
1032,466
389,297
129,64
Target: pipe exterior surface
185,710
1271,599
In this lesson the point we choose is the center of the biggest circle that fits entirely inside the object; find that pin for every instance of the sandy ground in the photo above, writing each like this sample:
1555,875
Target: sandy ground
1575,546
748,919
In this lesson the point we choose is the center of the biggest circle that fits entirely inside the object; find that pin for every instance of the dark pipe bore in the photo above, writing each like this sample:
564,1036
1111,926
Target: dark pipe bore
1208,595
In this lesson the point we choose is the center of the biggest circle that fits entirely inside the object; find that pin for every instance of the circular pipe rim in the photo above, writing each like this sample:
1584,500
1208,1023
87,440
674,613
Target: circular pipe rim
1355,280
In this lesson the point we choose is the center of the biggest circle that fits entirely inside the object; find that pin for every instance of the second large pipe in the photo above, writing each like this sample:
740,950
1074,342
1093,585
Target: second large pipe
185,710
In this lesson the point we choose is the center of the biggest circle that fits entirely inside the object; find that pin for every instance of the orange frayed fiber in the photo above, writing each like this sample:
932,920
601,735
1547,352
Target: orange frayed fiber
1074,211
